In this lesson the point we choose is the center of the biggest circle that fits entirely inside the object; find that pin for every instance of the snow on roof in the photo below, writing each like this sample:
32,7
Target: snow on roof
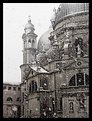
39,69
11,83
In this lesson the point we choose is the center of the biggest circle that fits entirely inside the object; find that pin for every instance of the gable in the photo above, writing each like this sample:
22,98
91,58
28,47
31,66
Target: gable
36,70
32,73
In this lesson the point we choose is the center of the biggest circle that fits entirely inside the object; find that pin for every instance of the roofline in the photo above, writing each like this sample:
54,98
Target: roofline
7,83
70,15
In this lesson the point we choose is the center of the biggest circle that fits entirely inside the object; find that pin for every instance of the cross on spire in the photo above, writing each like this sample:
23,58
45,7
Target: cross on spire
29,18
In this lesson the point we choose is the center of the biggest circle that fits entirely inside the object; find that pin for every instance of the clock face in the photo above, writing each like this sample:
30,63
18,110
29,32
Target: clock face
28,31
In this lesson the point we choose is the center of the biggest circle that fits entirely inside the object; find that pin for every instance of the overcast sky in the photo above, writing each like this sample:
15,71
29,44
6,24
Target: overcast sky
15,17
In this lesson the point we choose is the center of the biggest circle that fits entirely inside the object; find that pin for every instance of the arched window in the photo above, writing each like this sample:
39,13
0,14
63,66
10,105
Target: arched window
29,41
71,107
33,86
79,79
9,99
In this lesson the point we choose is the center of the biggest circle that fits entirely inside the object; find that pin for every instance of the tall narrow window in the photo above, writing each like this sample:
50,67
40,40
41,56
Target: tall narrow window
53,104
30,88
18,88
61,104
45,84
80,79
71,107
14,88
40,83
33,86
29,41
9,88
86,79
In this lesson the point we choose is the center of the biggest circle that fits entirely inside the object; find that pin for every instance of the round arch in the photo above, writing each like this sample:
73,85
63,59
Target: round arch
9,99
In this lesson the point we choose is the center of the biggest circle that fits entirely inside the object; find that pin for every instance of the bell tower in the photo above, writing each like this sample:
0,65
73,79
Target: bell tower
29,46
29,42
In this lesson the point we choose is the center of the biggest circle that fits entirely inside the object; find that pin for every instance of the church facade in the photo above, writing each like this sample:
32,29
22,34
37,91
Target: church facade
55,72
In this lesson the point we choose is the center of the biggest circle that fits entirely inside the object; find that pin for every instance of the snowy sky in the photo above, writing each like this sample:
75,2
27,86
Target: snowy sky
15,17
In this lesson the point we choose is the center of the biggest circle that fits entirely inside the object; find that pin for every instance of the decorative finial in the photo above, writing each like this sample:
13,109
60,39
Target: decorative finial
29,18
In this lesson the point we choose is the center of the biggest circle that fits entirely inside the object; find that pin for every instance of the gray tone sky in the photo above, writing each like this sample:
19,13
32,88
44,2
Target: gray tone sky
15,17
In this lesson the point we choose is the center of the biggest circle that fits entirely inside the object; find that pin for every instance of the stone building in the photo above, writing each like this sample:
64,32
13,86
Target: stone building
11,100
55,72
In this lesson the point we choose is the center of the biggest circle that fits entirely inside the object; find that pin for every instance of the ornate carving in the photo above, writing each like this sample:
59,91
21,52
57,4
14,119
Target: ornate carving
53,54
81,99
42,58
78,48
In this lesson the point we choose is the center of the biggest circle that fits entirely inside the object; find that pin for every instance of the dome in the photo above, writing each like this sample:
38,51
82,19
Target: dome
44,42
65,9
29,25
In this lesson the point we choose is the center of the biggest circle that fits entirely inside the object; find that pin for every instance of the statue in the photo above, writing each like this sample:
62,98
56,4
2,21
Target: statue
79,47
78,50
